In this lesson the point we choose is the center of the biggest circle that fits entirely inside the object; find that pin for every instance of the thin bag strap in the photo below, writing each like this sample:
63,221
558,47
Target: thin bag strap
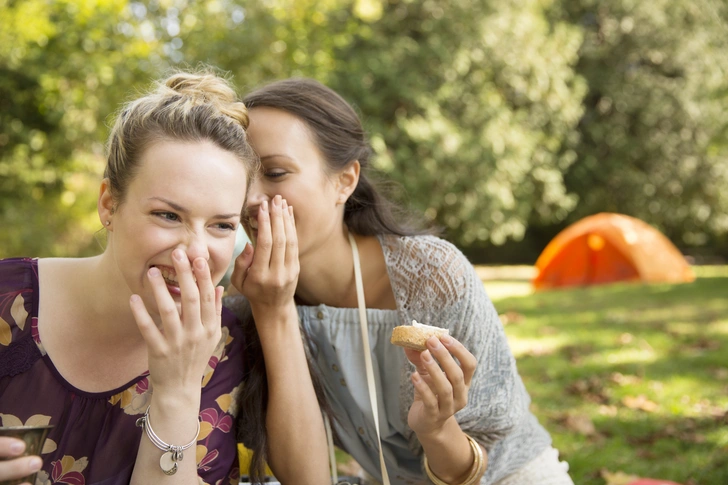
332,455
367,353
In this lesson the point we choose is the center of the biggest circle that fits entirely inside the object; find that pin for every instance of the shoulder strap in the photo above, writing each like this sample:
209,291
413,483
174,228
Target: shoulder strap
367,353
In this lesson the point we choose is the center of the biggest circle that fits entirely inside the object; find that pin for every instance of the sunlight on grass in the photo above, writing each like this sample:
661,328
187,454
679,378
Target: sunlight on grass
629,356
538,346
498,290
711,271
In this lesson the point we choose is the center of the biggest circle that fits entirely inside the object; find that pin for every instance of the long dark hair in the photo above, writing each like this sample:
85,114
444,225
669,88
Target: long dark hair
338,133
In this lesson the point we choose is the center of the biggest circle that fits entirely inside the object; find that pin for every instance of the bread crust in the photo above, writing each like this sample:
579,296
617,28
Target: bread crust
415,338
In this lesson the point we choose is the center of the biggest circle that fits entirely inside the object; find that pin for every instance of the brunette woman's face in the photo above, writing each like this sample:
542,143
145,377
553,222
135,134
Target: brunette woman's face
295,169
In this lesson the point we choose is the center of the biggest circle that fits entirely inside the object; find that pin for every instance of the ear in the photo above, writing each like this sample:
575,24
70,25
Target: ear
347,181
105,204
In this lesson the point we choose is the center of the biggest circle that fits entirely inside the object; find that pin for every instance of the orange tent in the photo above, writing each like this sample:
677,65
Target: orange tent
606,248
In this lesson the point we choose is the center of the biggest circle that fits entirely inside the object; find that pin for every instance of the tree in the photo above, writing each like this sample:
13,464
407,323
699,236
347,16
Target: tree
653,135
64,66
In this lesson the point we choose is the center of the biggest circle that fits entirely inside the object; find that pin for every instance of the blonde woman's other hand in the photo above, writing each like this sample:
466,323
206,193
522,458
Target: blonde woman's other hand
14,466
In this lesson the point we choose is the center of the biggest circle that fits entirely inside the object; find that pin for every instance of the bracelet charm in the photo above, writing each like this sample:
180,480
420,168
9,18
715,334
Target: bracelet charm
168,464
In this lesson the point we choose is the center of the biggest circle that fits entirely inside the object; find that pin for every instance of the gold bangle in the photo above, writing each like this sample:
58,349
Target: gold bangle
478,464
476,470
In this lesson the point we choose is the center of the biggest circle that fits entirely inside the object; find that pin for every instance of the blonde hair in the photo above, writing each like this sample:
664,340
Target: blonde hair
185,106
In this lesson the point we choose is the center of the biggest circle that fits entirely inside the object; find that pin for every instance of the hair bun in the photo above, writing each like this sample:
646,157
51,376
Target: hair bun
205,87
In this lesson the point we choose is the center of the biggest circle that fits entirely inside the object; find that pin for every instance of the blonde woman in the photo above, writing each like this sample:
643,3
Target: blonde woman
129,354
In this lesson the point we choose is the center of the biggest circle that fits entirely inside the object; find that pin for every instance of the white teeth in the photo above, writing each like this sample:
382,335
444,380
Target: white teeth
170,276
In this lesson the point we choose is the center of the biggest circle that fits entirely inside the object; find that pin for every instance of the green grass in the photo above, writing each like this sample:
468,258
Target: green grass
627,377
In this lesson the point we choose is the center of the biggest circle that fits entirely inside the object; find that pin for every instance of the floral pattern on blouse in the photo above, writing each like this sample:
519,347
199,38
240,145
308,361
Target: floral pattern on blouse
18,316
136,399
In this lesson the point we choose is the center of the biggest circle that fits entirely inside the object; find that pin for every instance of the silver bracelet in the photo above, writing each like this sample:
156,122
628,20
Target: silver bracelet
172,454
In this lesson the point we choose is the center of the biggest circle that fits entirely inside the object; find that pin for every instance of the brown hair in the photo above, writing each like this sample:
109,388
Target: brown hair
186,107
338,133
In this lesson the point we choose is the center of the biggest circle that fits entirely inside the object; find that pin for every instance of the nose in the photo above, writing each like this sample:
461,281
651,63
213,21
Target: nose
256,194
195,246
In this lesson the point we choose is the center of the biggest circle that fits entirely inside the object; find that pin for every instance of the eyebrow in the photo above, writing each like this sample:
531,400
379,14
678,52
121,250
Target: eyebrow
275,155
179,208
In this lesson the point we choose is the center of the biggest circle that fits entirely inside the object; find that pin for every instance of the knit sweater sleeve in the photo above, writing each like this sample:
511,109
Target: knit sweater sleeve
434,283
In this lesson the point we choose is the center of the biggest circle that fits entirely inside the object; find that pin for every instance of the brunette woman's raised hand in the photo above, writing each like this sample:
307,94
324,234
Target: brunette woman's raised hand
267,275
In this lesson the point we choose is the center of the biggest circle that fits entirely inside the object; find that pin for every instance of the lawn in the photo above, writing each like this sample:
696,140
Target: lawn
627,378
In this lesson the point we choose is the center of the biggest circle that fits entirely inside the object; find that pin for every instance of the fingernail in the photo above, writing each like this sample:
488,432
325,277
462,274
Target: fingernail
416,377
248,247
426,356
135,298
154,272
276,201
285,205
447,340
264,206
178,254
290,210
17,448
200,263
433,343
34,464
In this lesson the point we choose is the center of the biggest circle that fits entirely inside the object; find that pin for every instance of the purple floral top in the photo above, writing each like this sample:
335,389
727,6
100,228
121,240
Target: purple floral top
95,438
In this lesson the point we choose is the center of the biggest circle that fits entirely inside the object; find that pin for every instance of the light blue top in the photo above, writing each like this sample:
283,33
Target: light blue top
337,348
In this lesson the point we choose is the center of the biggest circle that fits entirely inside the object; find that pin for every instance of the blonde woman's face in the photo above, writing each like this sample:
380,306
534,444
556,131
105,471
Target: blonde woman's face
294,168
186,195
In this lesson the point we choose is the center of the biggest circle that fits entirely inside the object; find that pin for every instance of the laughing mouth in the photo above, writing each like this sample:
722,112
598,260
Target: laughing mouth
170,275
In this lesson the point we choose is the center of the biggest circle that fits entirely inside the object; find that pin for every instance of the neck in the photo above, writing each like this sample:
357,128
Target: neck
327,274
107,298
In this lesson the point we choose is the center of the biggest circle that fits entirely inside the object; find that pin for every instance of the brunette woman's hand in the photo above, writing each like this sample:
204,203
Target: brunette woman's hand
267,275
12,465
180,350
441,385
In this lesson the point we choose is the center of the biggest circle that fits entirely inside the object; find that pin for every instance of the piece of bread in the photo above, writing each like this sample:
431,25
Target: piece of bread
415,336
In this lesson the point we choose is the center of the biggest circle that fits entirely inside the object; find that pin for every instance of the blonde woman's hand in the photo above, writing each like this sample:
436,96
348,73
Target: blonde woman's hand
179,351
441,385
267,275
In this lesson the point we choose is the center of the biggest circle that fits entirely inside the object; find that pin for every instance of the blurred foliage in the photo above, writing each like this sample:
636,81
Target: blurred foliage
495,117
58,62
653,139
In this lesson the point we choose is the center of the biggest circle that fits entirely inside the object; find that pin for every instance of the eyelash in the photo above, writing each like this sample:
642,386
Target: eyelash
227,226
275,174
164,214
